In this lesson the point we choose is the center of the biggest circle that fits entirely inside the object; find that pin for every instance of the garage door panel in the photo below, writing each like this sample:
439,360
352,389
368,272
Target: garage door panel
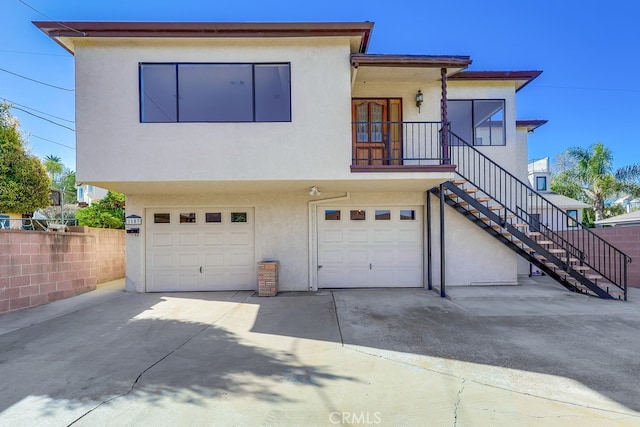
213,251
240,238
188,239
383,236
358,236
333,236
214,259
409,236
162,239
162,261
189,260
358,256
332,256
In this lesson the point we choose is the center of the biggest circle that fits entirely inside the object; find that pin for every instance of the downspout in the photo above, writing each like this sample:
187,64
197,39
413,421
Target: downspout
313,244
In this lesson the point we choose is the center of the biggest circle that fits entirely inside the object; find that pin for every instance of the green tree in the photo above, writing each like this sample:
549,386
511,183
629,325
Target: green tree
105,213
24,184
587,174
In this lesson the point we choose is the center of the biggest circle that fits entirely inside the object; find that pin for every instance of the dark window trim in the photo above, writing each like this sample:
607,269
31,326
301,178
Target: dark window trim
571,221
473,129
544,178
253,77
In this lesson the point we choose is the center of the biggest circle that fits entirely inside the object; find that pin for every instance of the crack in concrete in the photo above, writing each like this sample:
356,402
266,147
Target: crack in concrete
455,411
135,382
335,309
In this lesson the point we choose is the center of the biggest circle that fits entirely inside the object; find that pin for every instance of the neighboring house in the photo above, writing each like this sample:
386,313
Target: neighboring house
87,194
625,220
540,180
242,142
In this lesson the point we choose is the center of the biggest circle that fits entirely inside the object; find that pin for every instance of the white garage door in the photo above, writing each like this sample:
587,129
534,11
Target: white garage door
370,247
200,249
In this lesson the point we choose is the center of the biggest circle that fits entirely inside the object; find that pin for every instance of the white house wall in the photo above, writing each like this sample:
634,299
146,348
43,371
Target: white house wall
473,256
316,144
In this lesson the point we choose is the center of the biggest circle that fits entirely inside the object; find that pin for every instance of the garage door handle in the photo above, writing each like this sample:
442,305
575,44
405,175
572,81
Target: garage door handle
200,270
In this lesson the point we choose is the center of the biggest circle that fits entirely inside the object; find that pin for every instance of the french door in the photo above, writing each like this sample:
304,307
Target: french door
377,135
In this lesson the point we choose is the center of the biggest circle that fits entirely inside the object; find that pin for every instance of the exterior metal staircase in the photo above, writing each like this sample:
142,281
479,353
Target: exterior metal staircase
536,229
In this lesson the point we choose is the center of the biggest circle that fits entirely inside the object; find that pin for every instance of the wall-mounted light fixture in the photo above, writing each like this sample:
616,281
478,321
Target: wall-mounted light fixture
314,191
419,99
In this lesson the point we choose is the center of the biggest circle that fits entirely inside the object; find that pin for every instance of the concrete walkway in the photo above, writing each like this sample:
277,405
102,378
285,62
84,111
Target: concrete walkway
526,355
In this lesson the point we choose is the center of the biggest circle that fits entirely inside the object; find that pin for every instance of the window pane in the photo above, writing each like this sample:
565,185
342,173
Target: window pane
215,92
489,122
161,218
572,221
213,217
331,215
358,215
272,93
158,93
541,183
407,215
383,214
187,218
238,217
459,114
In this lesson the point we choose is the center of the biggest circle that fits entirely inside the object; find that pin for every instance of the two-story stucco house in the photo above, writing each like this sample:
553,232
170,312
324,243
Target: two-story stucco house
242,142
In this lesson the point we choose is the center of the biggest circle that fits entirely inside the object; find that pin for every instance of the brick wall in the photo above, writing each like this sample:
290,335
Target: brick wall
626,239
38,267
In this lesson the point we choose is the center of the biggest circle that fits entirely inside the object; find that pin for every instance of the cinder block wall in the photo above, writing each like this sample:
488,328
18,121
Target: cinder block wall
38,267
626,239
110,253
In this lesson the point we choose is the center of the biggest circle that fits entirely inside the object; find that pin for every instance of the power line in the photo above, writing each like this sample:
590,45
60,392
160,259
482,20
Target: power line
53,142
51,19
35,53
43,118
41,112
37,81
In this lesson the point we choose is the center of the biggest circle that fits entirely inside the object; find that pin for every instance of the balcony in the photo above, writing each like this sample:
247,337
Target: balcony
386,146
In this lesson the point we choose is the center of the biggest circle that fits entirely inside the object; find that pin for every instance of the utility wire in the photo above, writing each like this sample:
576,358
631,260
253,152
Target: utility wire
35,53
53,142
37,81
51,19
44,118
38,111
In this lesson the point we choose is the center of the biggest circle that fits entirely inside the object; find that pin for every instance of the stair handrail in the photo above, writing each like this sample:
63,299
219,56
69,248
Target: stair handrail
512,193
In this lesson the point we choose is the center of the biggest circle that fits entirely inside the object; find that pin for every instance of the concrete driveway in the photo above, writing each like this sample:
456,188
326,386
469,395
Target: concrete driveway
526,355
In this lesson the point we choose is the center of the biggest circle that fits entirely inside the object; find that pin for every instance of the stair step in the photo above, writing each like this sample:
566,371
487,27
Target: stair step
507,234
463,203
510,216
473,211
471,190
540,257
562,273
483,199
545,242
572,259
496,208
485,219
459,181
520,225
557,251
581,268
533,234
551,265
593,276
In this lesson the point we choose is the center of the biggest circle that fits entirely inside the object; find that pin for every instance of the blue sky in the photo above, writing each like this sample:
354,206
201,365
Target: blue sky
587,50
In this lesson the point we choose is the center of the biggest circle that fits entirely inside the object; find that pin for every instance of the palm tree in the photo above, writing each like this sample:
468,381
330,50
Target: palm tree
53,165
588,172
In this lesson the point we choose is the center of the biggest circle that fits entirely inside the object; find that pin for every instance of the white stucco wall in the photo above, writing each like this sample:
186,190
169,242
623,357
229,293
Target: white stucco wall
473,256
314,145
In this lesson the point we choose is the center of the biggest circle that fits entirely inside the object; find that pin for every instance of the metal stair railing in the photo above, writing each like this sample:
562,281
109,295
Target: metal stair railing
530,207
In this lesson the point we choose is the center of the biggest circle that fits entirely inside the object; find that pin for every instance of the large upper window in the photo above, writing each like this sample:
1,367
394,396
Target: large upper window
197,92
478,121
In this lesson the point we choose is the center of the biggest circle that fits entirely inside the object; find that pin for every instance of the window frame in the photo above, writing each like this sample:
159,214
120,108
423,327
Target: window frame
474,135
572,222
177,92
